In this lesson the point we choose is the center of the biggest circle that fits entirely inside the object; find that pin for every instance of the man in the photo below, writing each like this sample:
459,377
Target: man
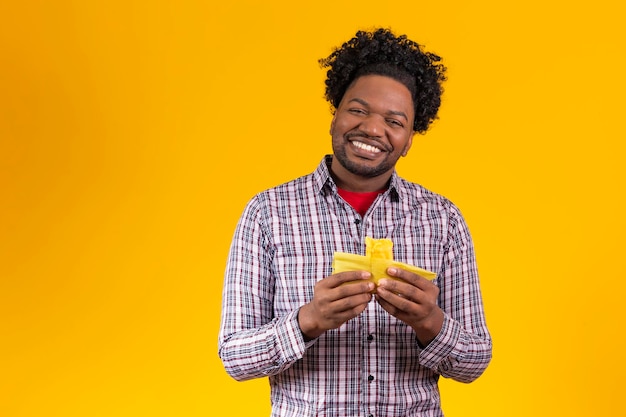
357,350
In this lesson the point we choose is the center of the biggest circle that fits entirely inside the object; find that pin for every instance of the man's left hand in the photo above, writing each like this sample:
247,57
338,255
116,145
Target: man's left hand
412,300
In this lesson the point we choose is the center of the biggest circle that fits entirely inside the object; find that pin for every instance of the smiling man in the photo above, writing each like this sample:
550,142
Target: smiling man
371,130
331,349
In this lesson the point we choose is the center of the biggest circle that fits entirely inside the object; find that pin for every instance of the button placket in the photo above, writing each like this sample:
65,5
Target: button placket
370,369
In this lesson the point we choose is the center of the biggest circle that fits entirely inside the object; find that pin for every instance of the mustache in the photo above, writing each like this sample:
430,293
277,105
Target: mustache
363,135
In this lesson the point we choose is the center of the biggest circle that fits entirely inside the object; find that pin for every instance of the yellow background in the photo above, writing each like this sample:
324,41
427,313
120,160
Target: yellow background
133,132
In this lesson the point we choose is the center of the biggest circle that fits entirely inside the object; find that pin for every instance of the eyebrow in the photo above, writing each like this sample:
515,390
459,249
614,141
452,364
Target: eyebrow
390,112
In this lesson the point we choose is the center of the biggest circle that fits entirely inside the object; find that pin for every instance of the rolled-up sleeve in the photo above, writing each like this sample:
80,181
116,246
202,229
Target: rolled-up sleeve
252,343
463,349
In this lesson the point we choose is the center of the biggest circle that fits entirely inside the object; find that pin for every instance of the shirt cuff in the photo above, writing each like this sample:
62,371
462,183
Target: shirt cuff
290,344
443,345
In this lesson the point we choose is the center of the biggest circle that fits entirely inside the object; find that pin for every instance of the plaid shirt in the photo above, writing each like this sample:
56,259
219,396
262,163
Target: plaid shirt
372,365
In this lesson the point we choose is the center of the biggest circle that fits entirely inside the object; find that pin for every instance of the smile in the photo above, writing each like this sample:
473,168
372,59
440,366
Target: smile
366,147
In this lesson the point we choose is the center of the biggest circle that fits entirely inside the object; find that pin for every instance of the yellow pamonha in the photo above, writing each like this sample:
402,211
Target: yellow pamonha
378,257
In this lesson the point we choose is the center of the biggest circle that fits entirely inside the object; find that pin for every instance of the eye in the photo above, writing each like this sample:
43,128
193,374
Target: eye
356,111
395,123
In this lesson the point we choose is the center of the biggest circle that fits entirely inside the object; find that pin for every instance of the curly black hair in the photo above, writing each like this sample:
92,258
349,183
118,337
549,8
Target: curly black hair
380,52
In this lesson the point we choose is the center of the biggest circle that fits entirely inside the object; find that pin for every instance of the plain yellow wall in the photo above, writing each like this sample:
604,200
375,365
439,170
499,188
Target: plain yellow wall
133,132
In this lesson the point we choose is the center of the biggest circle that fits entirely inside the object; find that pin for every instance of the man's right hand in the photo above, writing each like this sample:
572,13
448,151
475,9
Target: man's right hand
334,303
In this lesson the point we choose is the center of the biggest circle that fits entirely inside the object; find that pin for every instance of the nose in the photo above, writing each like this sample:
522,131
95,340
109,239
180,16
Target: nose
372,125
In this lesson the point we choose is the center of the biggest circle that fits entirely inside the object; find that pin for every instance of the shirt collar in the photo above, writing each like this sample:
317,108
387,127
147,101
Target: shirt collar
324,181
322,177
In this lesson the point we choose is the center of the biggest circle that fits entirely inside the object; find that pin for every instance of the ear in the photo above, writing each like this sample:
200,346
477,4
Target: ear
408,144
332,125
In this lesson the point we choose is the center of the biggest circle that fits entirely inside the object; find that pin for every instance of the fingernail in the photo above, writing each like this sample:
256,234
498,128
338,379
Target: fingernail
392,271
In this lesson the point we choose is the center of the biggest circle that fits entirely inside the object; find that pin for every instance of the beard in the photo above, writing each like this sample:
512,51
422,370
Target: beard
362,170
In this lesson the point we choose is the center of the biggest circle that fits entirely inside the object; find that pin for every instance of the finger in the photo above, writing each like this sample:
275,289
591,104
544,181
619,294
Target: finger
401,312
406,296
410,277
348,276
398,301
414,301
352,303
337,287
362,289
397,287
340,317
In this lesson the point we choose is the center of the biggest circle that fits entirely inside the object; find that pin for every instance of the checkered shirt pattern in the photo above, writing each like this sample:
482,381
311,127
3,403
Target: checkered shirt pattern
372,365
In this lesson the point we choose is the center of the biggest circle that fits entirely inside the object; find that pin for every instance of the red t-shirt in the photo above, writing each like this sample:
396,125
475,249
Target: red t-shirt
359,201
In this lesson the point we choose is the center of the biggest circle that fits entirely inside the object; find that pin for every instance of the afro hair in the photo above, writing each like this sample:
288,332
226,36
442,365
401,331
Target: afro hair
380,52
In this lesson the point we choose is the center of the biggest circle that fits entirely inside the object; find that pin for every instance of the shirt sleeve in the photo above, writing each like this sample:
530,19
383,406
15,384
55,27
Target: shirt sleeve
463,349
252,343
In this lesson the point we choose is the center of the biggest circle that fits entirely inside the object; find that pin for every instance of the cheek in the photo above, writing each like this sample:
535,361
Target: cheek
342,123
401,143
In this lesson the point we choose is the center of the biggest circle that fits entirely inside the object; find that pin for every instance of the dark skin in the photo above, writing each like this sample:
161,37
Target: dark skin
371,130
414,301
334,304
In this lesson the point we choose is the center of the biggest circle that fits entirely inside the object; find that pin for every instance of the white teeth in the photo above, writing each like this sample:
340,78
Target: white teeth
365,147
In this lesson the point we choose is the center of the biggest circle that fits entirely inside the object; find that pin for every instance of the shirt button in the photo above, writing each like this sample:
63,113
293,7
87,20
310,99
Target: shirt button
370,415
370,378
370,337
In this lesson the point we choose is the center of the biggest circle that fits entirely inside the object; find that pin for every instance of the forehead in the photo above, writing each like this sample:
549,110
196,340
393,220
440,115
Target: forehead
379,90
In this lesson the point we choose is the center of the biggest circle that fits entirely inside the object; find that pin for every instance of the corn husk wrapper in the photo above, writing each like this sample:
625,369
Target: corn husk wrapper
378,257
